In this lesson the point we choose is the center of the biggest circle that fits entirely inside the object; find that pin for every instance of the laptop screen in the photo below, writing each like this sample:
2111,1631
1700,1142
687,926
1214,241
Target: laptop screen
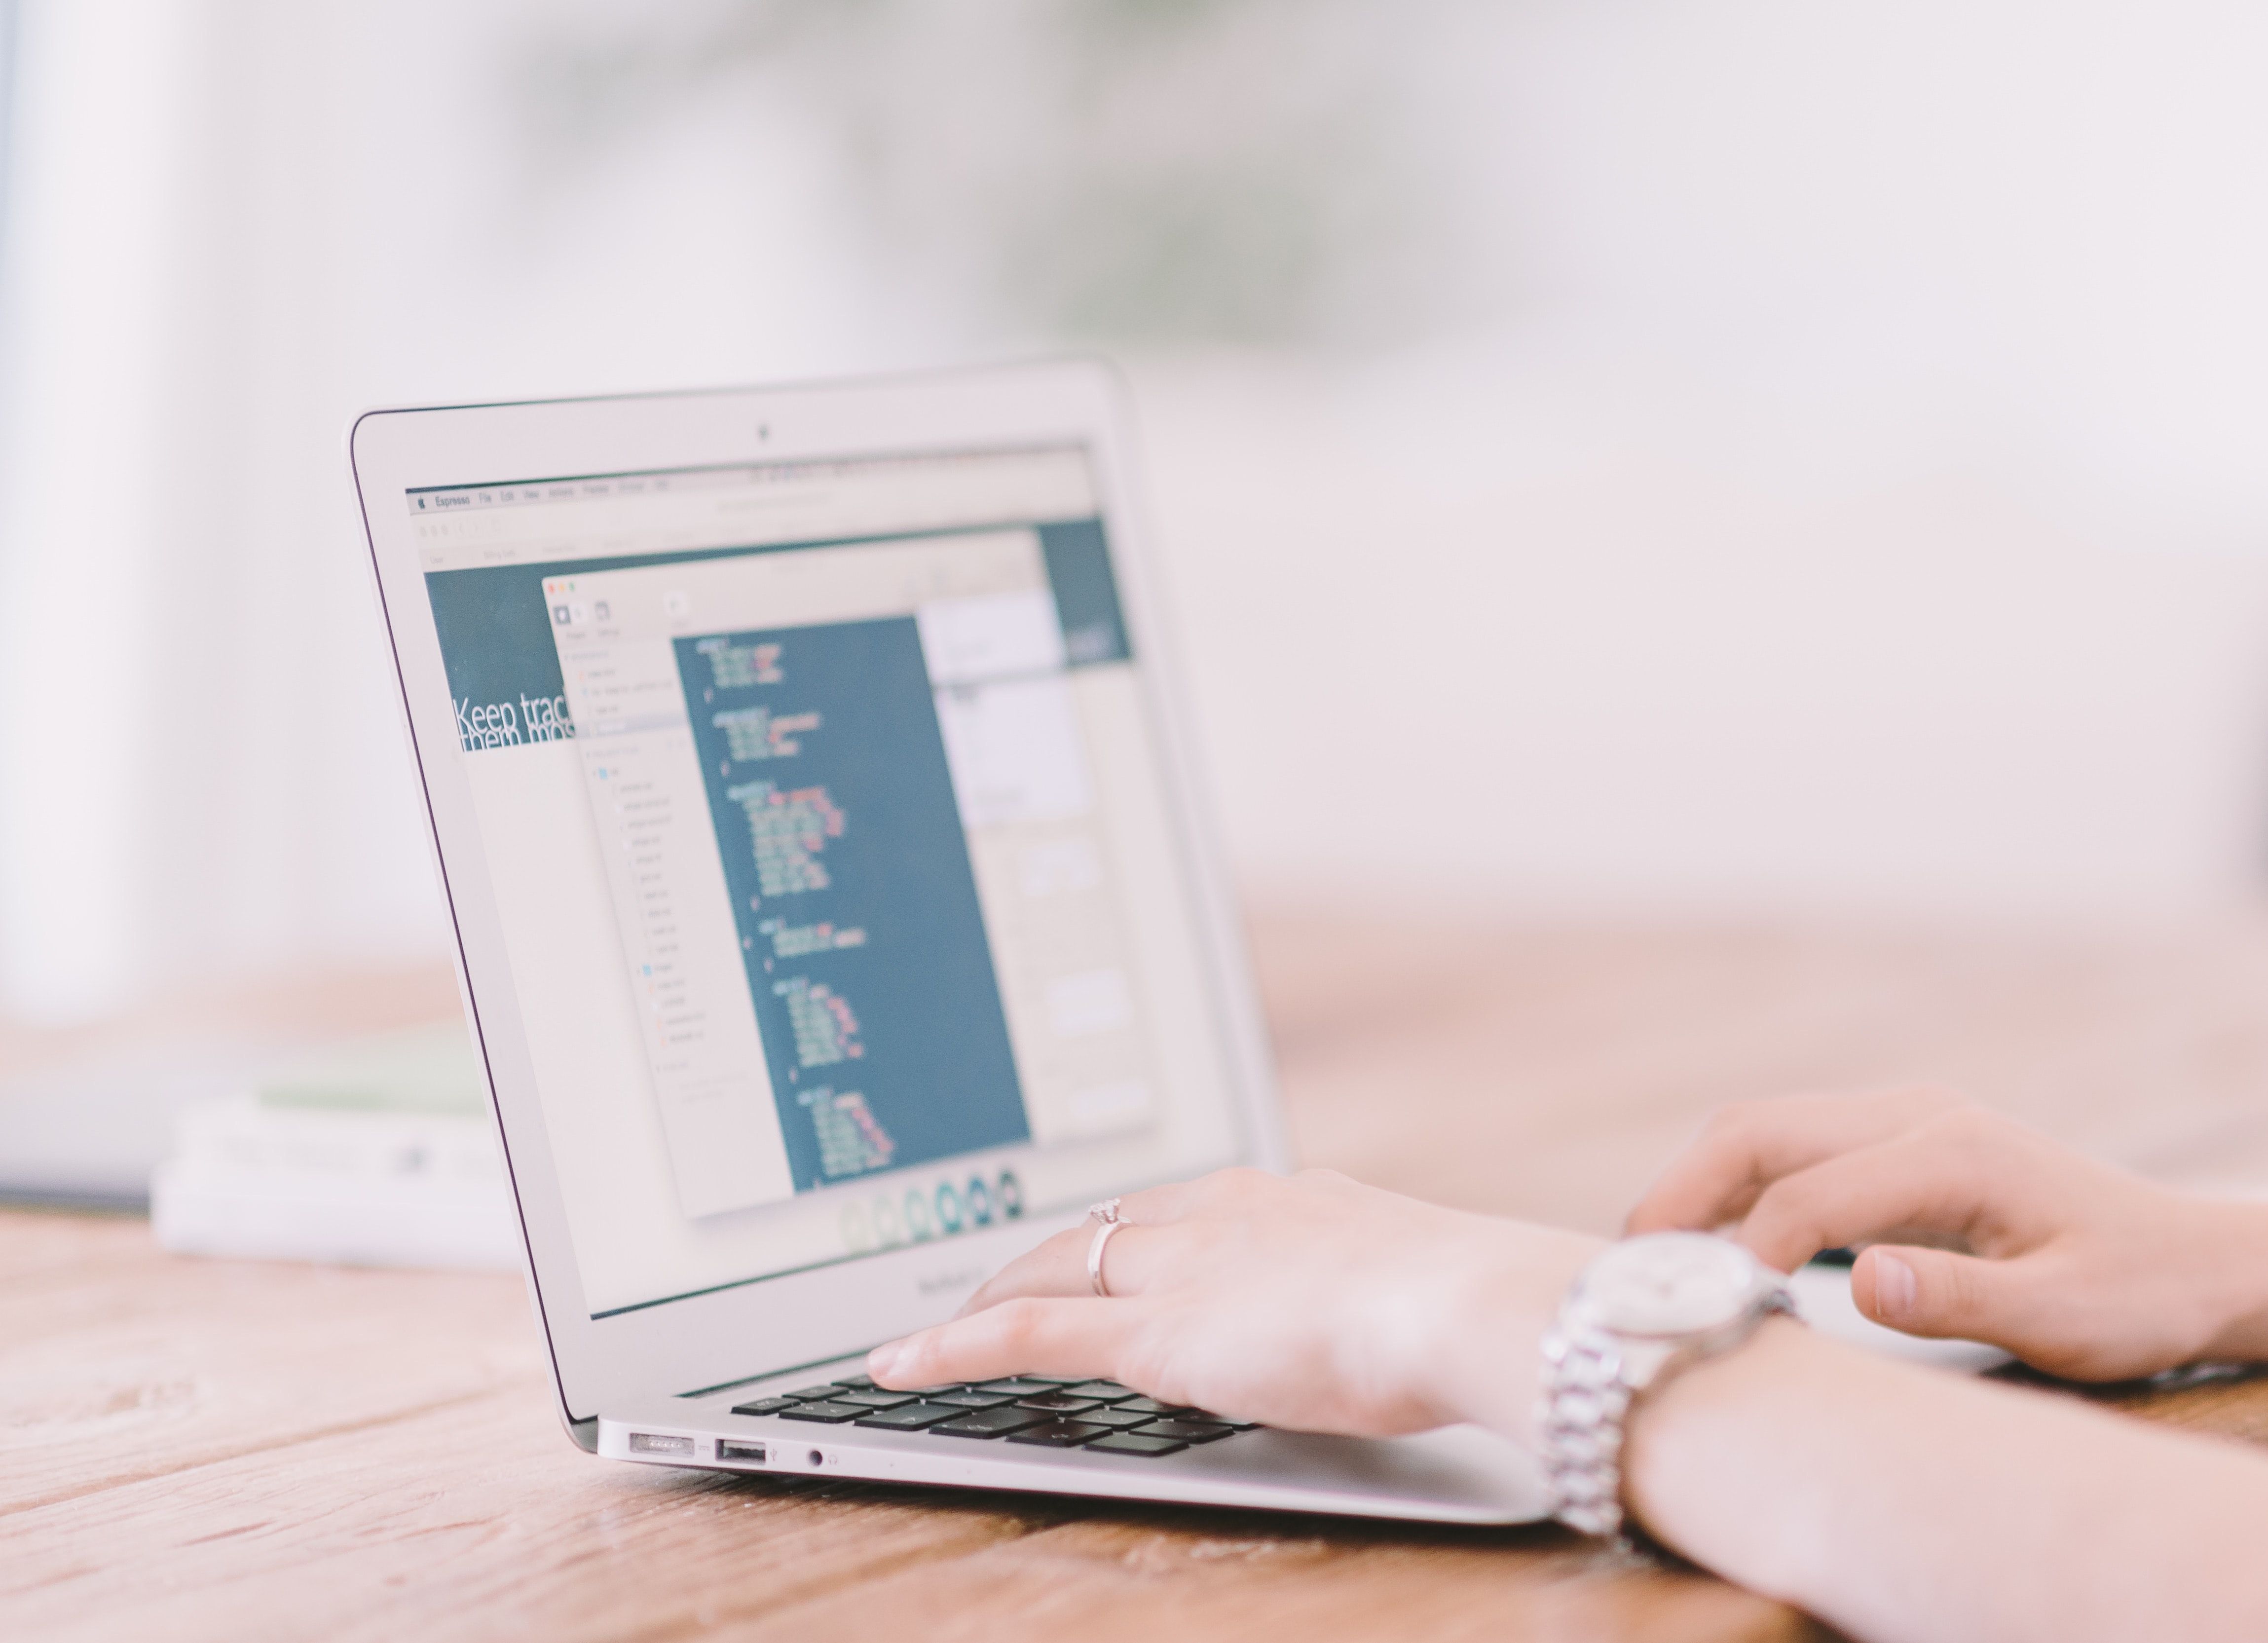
833,853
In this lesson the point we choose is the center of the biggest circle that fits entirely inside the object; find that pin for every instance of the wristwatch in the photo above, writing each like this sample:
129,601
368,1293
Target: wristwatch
1640,1312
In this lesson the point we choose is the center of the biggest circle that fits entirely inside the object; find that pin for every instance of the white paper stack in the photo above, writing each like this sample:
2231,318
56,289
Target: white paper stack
376,1154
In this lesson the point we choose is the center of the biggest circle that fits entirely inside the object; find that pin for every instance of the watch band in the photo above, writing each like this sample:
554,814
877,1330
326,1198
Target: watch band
1590,1376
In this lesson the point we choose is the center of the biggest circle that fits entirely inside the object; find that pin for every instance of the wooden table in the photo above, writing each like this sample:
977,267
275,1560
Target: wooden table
209,1450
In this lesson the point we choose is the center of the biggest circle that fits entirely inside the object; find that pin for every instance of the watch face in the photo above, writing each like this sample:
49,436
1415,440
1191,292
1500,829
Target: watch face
1670,1284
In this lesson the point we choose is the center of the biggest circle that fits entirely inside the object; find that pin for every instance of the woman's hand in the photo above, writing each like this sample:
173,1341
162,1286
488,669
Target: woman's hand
1314,1303
1981,1230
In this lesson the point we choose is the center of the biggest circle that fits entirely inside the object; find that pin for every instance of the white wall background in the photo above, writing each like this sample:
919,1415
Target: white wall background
1769,457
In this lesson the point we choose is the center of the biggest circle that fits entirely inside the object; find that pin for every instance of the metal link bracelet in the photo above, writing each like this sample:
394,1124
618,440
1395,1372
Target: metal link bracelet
1585,1400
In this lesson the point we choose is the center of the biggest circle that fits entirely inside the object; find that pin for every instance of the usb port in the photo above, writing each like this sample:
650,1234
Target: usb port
655,1443
727,1450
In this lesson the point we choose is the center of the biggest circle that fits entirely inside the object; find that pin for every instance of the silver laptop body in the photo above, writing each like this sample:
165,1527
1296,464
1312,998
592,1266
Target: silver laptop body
833,909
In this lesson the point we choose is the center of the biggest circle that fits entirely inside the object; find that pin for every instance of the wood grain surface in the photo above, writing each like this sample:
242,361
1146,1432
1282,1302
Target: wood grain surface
209,1450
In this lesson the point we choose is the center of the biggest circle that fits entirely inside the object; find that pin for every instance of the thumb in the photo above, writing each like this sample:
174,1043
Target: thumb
1935,1293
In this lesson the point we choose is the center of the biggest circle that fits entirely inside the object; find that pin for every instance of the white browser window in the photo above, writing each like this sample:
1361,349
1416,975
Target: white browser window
836,871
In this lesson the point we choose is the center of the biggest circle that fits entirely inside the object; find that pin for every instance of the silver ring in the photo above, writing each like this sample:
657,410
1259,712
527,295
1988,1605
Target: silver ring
1094,1255
1106,1212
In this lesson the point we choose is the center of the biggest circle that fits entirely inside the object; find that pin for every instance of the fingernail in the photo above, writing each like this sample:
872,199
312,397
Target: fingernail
884,1358
1895,1286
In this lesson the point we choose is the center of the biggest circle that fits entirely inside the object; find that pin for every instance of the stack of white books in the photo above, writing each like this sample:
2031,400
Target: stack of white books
378,1152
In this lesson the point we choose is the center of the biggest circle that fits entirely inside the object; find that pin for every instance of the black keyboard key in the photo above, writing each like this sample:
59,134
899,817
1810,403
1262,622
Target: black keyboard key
874,1397
1053,1380
1135,1443
1117,1419
1017,1386
764,1406
909,1417
1058,1434
989,1423
972,1399
833,1413
1152,1406
856,1384
1058,1403
825,1388
1185,1430
1222,1420
1109,1391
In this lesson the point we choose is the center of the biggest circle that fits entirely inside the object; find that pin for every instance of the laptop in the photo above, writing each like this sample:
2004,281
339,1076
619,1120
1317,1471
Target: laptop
835,912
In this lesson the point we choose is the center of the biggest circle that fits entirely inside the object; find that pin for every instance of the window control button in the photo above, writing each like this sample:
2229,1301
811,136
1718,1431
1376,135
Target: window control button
1136,1443
832,1414
909,1417
1185,1430
1058,1434
764,1406
989,1423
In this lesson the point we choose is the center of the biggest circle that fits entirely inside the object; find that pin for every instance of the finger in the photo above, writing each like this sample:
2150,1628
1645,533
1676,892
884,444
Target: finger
1046,1268
1747,1146
1929,1185
1159,1206
1234,1191
1026,1336
1156,1206
1058,1266
1940,1294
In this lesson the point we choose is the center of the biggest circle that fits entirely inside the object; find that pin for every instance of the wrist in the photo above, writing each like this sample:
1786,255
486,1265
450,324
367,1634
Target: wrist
1487,1368
1667,1427
1646,1312
2235,1239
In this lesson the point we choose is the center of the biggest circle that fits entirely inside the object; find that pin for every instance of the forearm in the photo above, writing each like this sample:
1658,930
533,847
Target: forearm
1900,1503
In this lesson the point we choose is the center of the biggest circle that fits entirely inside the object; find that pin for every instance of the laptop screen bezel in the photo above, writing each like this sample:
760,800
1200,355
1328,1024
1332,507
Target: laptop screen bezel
778,1324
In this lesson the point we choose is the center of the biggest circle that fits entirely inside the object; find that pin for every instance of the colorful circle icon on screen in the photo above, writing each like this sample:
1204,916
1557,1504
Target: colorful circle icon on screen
1012,1194
949,1207
980,1201
917,1217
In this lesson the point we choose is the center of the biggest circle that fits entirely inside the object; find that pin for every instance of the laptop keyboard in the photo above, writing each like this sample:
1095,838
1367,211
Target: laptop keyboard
1055,1412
